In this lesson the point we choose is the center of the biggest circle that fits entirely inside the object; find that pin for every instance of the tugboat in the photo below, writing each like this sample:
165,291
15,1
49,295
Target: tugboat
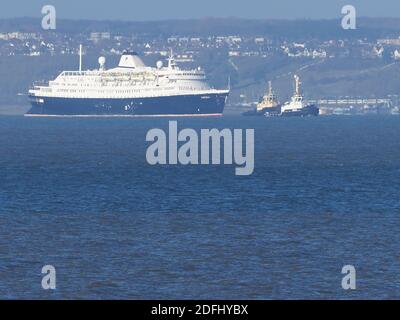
269,105
296,107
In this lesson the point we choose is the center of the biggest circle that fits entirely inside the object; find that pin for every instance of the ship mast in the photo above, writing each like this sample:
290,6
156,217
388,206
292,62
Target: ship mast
297,85
80,58
270,88
171,61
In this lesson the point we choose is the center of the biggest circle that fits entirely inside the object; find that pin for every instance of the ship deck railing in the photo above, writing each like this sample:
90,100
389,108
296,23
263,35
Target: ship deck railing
40,83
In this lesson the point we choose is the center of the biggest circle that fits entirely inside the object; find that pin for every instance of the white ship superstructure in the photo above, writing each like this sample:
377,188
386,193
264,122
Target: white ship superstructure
269,102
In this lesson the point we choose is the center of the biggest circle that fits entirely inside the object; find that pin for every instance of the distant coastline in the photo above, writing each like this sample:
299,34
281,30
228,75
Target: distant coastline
334,64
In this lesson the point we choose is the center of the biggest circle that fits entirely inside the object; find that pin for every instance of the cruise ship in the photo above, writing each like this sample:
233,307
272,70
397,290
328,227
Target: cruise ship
130,89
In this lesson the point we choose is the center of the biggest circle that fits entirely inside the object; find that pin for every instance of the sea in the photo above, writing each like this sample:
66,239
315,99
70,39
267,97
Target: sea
78,194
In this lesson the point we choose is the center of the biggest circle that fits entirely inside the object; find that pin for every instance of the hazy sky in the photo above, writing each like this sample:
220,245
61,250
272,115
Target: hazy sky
170,9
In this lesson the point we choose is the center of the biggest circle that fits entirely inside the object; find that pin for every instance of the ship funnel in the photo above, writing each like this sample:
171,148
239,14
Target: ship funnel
131,60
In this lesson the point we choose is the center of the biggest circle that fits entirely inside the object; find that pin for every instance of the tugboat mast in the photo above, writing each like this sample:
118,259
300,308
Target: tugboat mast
297,85
270,88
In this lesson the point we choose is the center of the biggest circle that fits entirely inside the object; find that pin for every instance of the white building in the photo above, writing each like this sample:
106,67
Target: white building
97,36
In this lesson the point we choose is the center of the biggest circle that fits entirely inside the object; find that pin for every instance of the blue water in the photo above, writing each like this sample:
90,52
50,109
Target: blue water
79,195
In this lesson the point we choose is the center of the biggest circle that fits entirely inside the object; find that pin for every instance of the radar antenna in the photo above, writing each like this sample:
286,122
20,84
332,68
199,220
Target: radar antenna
171,60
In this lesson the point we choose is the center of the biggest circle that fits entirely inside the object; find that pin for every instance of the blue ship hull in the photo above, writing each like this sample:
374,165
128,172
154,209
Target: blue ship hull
207,104
271,111
308,111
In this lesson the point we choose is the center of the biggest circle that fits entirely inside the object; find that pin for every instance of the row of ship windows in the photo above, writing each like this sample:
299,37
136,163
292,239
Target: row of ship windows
100,83
122,83
136,79
139,79
120,91
125,91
